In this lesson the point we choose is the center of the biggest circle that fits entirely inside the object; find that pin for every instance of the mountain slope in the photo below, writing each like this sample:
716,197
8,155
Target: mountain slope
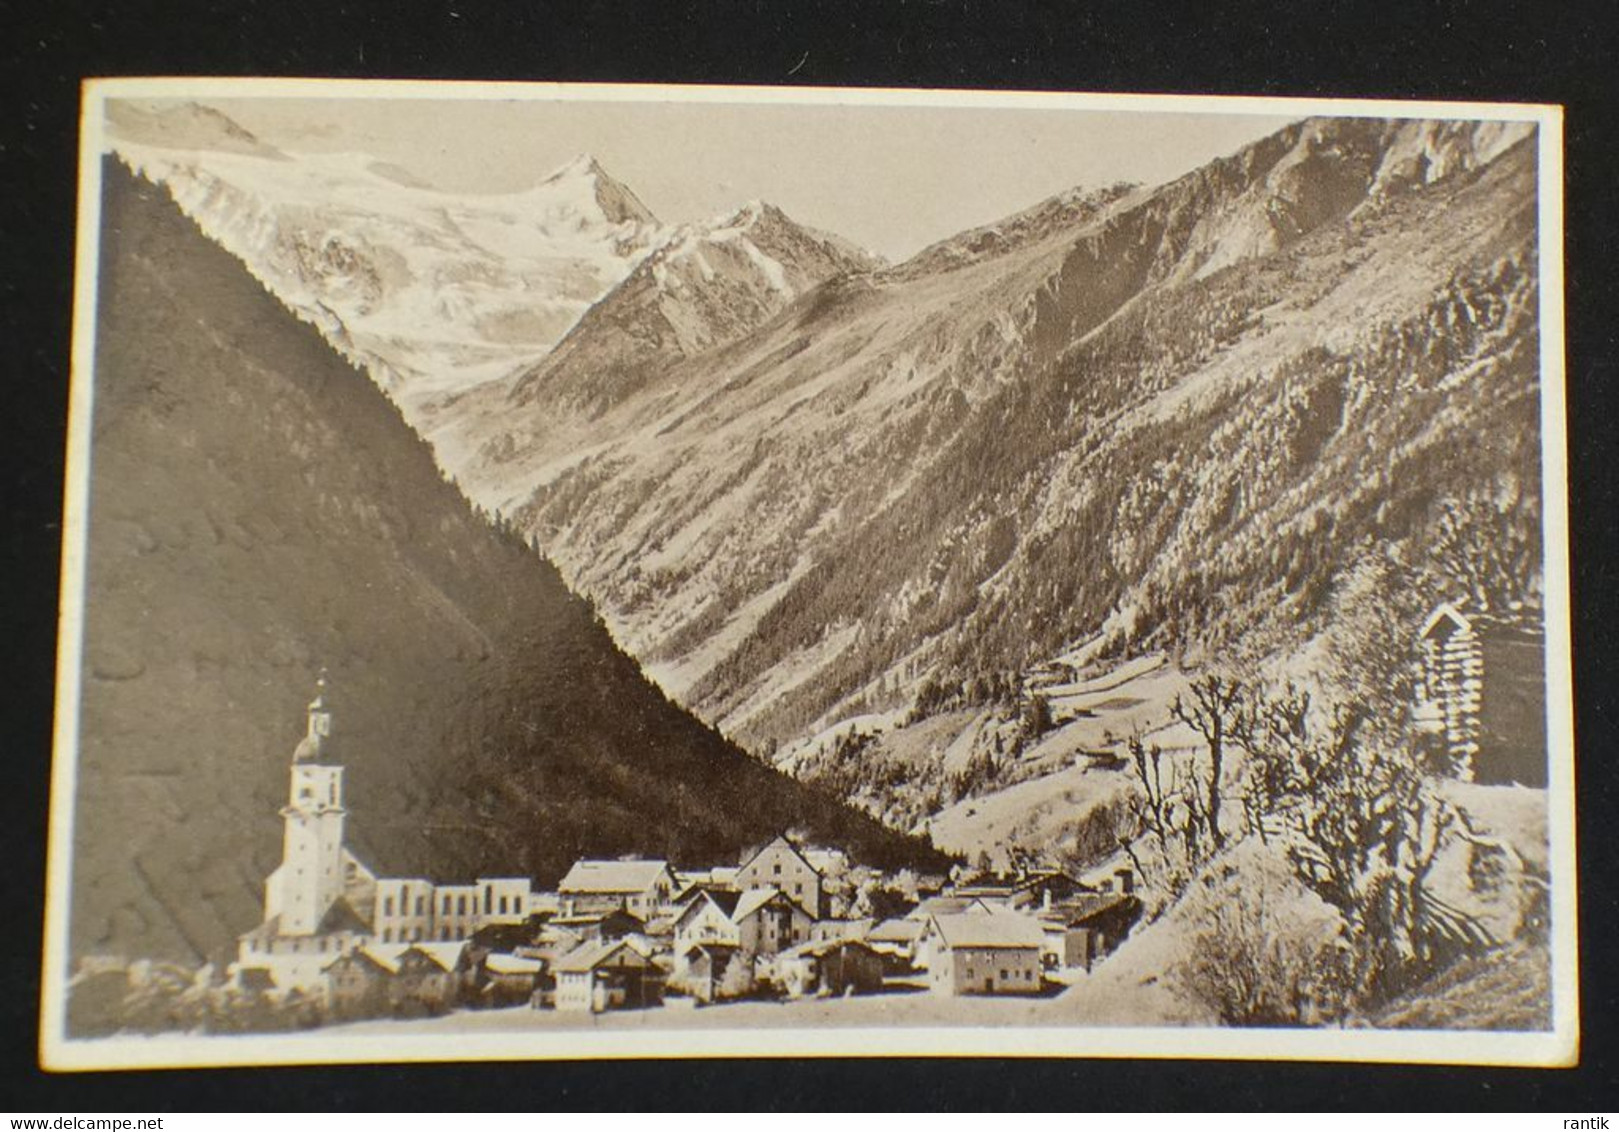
701,287
185,125
433,293
704,285
1176,417
260,510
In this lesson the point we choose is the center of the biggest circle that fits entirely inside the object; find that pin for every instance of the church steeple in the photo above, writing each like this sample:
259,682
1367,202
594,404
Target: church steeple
311,875
315,746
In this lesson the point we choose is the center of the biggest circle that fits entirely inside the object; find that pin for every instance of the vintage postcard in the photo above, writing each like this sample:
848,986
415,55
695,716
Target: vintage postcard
613,571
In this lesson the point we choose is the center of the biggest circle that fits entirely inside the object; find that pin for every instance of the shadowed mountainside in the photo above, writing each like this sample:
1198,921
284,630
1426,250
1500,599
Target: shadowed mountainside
259,510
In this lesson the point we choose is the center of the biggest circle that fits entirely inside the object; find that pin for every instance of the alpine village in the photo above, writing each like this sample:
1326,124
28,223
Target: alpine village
1129,612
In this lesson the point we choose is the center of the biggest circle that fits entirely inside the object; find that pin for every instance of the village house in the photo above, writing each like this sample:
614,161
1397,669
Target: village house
1482,693
768,921
896,941
714,971
510,980
507,937
1021,890
822,930
616,923
272,957
642,888
935,906
829,967
597,977
430,977
723,876
780,865
706,917
978,954
1082,930
952,905
1114,874
357,983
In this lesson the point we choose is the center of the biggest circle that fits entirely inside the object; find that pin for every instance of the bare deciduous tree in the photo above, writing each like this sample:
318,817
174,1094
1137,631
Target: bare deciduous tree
1363,826
1214,712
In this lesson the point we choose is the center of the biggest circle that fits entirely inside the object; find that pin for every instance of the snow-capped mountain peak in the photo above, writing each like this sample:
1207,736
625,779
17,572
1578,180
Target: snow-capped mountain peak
702,285
583,179
434,293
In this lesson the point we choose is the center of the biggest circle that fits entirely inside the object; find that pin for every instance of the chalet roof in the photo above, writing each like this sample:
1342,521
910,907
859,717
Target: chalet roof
603,953
585,919
712,947
613,876
949,906
362,956
386,962
341,917
1089,905
753,899
1447,618
833,927
446,955
816,948
781,840
896,931
726,900
999,929
500,963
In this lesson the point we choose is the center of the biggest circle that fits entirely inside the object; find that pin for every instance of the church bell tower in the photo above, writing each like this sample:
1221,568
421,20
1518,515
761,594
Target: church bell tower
310,878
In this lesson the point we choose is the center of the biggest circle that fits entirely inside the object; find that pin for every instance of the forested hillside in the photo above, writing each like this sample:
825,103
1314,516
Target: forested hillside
1205,417
259,510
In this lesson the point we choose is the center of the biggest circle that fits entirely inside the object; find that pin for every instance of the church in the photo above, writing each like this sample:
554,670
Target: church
322,902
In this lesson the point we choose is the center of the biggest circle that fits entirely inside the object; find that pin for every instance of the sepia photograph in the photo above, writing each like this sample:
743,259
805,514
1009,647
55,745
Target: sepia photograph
586,571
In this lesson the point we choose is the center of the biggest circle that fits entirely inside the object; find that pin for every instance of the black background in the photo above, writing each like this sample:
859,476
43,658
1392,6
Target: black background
1562,53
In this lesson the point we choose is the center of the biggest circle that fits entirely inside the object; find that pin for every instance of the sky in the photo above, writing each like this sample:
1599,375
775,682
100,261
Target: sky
892,178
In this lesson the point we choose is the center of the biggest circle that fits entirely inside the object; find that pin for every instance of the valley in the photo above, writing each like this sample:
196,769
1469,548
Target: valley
998,571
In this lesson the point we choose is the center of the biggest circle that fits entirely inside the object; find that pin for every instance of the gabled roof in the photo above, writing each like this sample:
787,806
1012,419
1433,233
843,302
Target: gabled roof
499,963
782,840
816,948
378,963
753,899
341,917
1446,617
696,888
586,919
949,906
726,900
444,955
999,929
603,953
897,931
613,876
1044,876
1088,905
